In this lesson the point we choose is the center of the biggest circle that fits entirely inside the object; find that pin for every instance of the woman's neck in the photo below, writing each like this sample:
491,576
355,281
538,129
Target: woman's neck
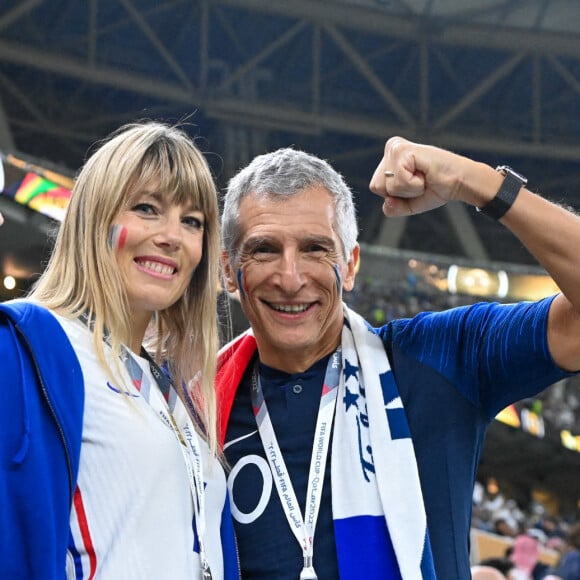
140,322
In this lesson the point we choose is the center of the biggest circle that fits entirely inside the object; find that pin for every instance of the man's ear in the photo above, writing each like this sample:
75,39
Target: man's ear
229,276
352,267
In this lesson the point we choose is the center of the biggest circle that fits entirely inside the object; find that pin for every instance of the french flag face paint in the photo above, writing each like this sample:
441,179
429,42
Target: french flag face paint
338,278
241,284
117,237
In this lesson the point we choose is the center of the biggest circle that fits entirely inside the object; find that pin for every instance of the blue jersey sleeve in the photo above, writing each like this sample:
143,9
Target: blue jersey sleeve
495,354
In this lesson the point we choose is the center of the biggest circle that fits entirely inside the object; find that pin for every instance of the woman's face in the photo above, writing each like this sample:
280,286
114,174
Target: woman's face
158,246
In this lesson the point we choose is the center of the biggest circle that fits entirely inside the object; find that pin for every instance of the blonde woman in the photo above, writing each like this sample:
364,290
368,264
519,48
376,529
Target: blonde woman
109,469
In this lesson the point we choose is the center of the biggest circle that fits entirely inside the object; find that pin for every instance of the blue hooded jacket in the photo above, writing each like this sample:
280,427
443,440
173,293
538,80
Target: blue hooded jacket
41,416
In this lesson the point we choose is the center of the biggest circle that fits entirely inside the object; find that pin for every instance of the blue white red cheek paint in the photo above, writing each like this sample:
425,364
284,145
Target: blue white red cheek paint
241,283
338,278
117,237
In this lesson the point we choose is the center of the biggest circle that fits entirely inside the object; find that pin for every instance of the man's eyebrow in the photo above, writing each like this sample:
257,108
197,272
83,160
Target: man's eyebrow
254,242
326,242
323,240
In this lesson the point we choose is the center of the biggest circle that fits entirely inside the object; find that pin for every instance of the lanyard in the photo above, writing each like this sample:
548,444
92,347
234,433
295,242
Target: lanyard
303,528
187,439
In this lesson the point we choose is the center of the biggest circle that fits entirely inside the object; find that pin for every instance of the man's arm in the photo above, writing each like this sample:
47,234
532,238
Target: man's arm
426,177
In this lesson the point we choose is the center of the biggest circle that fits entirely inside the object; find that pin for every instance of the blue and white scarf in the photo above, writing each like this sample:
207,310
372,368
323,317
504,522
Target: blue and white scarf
378,510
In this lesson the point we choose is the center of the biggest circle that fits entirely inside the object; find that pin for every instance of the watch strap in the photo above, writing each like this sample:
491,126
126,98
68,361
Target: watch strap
506,195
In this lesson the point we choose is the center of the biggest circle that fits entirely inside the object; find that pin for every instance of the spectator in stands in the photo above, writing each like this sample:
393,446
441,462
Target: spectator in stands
503,527
550,526
413,398
557,544
525,554
481,572
504,565
569,568
107,470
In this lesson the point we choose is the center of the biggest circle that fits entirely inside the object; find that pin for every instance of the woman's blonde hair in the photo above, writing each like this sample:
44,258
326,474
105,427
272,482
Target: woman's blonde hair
82,274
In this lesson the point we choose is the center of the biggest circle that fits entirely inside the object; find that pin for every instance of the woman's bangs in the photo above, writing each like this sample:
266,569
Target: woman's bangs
195,186
179,173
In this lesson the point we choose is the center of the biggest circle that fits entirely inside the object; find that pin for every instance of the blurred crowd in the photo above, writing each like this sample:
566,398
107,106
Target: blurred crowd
380,301
530,531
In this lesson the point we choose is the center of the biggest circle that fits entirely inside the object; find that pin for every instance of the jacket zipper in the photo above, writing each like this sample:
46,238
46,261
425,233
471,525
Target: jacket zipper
46,396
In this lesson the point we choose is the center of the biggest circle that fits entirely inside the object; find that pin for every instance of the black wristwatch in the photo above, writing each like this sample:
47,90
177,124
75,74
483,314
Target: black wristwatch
506,195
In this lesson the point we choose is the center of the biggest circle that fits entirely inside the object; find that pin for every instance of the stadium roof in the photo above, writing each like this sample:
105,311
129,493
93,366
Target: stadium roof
495,79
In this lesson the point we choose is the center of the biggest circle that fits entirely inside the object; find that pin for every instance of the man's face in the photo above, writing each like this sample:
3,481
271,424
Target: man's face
291,275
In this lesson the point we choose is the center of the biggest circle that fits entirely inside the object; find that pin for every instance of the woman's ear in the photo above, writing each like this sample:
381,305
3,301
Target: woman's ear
230,278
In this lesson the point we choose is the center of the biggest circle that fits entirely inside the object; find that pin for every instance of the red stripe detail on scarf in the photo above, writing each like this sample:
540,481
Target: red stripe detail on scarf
85,532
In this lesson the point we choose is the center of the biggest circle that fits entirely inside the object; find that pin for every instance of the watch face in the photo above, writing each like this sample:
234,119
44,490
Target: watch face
505,169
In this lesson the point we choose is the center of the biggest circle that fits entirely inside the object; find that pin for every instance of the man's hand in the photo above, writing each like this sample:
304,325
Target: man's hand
420,178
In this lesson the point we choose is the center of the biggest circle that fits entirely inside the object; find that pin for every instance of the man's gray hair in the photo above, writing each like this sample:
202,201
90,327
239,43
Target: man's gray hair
284,173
